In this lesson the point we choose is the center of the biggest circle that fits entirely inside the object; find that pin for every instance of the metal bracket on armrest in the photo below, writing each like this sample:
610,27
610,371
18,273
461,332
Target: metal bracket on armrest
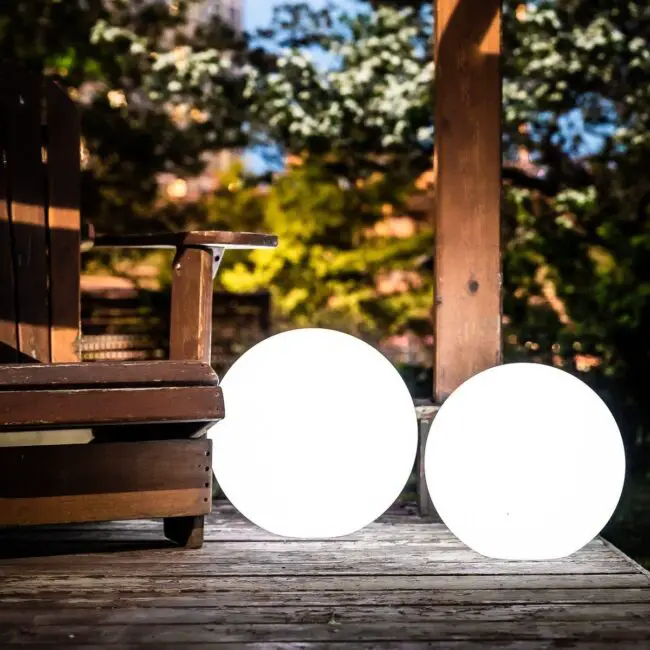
217,257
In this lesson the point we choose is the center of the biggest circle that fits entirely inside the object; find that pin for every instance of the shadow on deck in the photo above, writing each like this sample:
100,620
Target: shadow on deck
399,583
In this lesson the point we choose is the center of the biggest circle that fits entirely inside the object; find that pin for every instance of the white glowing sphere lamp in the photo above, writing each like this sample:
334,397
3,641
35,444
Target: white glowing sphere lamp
320,434
525,462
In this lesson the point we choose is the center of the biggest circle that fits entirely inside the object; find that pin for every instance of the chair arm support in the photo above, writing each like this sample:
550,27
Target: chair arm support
190,334
198,254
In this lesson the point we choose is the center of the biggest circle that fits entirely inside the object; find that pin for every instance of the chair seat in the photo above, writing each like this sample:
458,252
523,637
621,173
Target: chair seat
108,393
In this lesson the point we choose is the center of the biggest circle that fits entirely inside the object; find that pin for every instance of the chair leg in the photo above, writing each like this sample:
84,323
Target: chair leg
185,531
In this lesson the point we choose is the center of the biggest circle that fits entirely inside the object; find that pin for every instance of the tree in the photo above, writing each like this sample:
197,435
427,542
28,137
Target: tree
367,107
327,267
578,240
356,155
156,89
576,126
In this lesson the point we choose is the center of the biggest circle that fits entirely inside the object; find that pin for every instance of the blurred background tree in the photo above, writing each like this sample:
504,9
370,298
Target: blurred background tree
159,86
576,127
346,105
334,267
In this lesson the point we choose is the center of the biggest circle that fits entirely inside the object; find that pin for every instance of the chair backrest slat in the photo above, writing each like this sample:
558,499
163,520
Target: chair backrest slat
28,215
64,181
39,220
8,324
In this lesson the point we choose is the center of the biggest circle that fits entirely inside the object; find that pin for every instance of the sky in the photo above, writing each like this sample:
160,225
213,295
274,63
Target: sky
257,14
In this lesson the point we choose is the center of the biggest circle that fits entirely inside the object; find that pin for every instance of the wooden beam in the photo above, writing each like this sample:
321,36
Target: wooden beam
8,325
102,482
107,374
43,409
468,191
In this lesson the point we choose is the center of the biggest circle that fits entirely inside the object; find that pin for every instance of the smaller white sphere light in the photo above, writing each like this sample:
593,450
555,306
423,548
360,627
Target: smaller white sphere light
525,462
320,434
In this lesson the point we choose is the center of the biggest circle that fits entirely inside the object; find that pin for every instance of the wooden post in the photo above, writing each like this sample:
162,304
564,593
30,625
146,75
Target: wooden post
468,191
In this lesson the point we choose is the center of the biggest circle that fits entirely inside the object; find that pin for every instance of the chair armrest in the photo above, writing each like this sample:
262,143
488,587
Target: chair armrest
190,239
198,255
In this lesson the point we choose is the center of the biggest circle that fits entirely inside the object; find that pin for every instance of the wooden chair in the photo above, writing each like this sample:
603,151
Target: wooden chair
149,456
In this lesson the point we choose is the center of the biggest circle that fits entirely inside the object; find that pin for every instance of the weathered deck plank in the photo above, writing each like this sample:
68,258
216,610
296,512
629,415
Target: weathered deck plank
398,583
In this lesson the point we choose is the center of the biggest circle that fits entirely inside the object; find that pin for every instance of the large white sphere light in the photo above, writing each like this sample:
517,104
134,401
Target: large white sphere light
320,434
525,462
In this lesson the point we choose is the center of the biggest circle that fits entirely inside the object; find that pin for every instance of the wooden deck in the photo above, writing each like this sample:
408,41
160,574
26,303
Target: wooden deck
400,583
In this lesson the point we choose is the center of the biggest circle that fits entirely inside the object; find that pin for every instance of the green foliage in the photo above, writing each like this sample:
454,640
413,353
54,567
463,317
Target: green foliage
325,270
362,127
581,223
369,107
155,93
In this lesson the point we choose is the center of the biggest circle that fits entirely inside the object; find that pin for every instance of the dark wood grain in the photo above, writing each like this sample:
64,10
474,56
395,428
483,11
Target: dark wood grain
64,182
95,406
468,190
216,566
265,596
211,238
305,614
107,373
331,631
491,644
99,482
50,582
8,326
103,507
39,471
335,558
227,526
28,212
